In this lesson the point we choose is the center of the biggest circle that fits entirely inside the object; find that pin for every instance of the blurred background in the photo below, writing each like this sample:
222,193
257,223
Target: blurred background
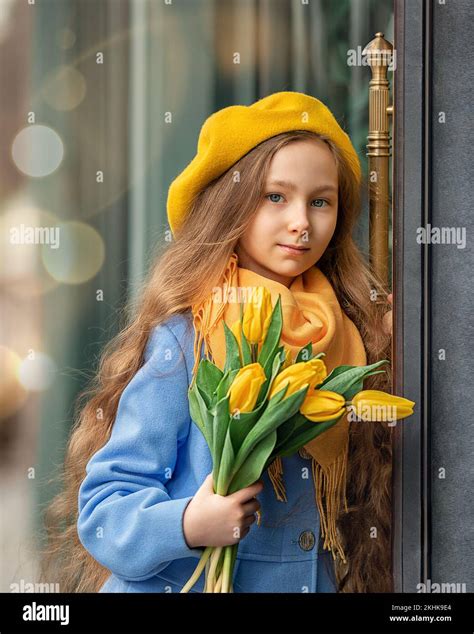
101,106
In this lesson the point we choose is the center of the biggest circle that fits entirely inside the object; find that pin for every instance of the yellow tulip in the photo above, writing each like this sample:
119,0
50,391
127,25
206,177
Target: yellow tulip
375,405
236,328
297,375
257,315
320,371
245,388
322,405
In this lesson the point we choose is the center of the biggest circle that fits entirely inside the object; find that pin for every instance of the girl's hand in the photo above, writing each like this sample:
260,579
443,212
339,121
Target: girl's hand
388,318
217,520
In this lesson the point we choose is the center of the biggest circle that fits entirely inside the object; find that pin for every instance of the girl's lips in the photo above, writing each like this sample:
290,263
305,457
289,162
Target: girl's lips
292,251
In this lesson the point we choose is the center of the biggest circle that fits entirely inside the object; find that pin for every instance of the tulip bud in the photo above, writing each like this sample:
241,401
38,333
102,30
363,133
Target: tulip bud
321,405
258,315
297,375
375,405
245,388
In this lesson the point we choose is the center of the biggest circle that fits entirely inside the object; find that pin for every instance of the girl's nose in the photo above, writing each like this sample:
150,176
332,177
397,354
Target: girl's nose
298,219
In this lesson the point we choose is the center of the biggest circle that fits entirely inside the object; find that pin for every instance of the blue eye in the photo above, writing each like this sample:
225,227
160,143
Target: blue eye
320,200
274,199
277,195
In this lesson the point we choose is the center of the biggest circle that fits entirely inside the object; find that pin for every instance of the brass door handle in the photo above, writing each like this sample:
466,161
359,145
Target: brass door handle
379,54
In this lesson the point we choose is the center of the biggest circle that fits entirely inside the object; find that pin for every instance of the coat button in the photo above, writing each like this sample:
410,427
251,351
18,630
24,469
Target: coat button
303,453
306,540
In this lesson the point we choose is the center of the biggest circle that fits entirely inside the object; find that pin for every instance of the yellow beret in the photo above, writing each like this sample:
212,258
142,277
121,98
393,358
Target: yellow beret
230,133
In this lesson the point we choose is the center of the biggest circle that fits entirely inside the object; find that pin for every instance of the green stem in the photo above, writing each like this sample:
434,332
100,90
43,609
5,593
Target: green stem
206,575
220,564
220,573
227,569
199,568
218,586
212,577
217,581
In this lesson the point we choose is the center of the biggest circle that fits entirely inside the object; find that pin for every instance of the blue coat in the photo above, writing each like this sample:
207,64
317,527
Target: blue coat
137,486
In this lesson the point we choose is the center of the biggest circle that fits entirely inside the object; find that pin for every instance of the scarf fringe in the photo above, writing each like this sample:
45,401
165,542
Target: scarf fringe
202,316
275,473
330,487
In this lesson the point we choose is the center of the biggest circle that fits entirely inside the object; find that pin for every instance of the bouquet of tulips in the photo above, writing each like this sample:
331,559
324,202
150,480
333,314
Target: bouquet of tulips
264,405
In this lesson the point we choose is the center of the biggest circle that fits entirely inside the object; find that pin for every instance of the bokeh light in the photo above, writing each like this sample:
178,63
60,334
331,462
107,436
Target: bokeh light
37,150
37,373
21,266
80,254
65,88
12,392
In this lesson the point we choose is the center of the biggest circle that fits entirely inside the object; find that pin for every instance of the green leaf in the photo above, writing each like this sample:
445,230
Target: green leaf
220,424
305,353
272,338
278,360
337,371
205,415
252,468
232,360
343,378
279,409
222,475
286,431
271,371
357,387
196,413
241,425
304,436
207,379
297,423
225,383
246,351
279,396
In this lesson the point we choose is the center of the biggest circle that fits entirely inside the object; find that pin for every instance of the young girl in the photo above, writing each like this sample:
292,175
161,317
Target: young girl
270,199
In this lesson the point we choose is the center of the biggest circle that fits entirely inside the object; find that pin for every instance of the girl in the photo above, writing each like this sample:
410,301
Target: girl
270,199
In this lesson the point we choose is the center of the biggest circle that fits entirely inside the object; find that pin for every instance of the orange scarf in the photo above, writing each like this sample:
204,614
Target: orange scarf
311,312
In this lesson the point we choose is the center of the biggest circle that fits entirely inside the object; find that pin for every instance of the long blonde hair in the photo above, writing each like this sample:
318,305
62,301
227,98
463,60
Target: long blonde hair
184,273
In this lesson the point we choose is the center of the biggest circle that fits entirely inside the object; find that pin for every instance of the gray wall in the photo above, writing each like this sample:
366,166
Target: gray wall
434,326
452,285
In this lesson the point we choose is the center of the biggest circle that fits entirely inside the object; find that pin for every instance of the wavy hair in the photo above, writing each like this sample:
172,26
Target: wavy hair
184,272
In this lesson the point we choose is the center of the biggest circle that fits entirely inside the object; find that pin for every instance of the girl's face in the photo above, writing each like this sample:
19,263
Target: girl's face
298,207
